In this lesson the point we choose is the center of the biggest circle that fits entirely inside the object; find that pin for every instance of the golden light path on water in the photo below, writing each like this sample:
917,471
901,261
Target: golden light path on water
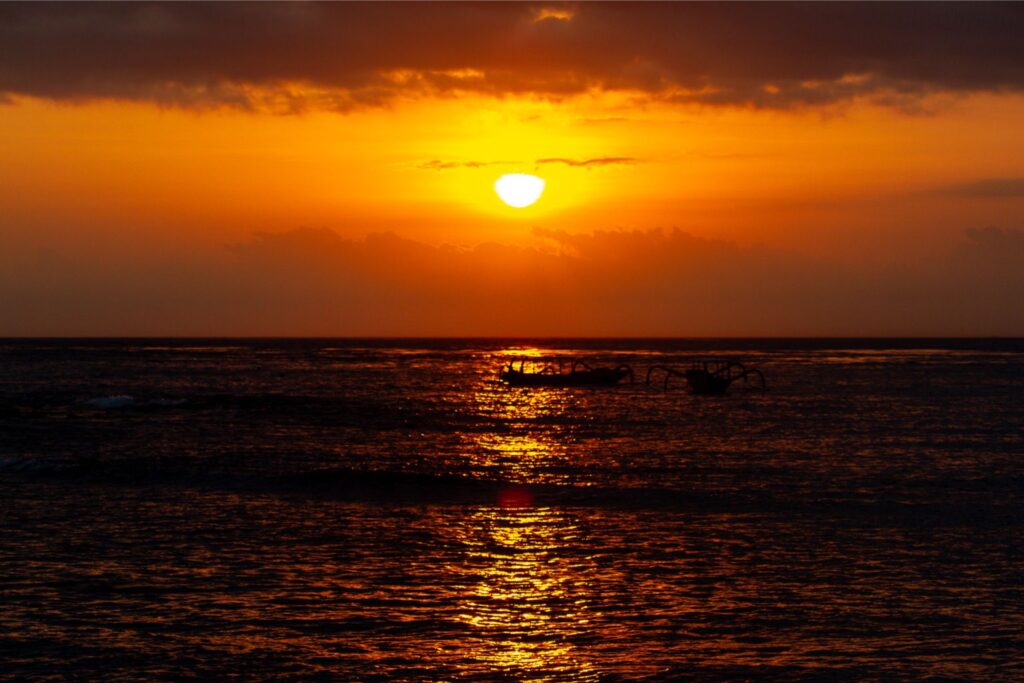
516,452
525,598
525,587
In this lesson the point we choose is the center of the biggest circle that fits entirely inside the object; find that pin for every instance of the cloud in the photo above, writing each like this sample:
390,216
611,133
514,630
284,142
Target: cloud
438,165
604,283
988,187
288,57
589,163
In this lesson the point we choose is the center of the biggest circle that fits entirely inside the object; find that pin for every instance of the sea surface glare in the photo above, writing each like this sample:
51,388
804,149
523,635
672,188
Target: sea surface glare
387,510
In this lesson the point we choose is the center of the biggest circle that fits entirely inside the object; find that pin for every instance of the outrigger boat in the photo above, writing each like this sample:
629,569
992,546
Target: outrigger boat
579,375
706,377
710,377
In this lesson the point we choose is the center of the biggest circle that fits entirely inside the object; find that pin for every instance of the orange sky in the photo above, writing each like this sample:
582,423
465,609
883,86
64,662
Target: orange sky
871,208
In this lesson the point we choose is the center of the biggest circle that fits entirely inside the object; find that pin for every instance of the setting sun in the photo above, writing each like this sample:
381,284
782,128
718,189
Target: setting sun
519,190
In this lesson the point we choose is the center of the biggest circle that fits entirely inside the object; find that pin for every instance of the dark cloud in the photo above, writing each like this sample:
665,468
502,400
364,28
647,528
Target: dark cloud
314,282
988,187
291,56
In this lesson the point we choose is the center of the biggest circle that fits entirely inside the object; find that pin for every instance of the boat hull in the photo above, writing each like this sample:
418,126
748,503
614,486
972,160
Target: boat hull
705,383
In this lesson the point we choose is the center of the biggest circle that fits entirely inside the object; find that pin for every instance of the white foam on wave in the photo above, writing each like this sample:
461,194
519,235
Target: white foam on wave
126,401
119,401
16,464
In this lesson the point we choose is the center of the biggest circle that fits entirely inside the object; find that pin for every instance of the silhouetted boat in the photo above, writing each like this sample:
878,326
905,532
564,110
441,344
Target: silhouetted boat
579,375
710,377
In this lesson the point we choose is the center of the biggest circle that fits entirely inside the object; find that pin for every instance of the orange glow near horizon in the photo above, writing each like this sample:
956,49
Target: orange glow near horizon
426,170
114,182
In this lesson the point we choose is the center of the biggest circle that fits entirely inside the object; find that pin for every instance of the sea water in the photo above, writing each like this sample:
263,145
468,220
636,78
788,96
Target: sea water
388,510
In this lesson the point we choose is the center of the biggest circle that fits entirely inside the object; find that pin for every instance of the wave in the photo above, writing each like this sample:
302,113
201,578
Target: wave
403,488
125,401
27,465
377,413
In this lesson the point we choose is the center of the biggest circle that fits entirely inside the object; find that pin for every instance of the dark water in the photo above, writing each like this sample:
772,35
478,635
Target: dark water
385,510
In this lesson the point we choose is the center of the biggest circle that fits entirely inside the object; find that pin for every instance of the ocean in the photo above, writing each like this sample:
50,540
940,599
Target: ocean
386,509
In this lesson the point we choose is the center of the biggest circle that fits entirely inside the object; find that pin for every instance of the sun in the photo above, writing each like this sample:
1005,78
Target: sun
519,190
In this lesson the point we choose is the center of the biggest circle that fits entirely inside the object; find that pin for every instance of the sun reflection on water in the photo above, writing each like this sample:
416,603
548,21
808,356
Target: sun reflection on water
525,592
531,432
517,458
524,576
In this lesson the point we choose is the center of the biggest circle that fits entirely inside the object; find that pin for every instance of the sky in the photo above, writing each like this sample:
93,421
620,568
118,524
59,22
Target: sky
300,169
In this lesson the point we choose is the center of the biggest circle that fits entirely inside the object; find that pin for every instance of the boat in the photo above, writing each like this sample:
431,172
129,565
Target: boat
710,377
579,375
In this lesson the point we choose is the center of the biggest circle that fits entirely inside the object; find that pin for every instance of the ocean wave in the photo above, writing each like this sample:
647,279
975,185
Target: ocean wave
403,488
125,401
